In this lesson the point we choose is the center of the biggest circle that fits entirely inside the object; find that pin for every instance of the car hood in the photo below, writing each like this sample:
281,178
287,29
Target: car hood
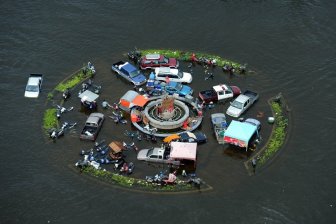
186,90
139,78
233,111
142,154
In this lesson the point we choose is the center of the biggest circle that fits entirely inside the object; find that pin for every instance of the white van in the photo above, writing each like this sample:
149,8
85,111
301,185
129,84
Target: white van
173,74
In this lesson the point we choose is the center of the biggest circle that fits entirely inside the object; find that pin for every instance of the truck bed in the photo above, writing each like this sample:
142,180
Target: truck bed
252,95
90,129
208,95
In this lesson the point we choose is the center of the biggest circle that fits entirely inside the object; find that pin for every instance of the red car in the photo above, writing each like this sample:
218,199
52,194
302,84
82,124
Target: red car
150,61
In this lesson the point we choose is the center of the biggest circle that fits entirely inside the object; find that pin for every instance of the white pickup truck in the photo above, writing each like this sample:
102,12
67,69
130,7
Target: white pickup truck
219,92
34,84
156,155
241,103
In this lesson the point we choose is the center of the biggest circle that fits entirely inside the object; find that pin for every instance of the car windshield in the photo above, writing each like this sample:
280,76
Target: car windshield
134,73
180,74
150,152
31,88
164,60
237,104
178,86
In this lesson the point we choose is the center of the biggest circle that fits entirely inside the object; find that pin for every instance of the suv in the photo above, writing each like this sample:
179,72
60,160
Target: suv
173,74
157,60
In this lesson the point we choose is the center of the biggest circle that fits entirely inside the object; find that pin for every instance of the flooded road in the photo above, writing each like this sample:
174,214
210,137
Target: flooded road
289,45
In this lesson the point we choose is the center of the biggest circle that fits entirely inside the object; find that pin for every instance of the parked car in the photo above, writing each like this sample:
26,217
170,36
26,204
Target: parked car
219,125
254,122
242,103
157,155
173,74
198,137
150,61
33,86
219,92
92,127
178,88
129,72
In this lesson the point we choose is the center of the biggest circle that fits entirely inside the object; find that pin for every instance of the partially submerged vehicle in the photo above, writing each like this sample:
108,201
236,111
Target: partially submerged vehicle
219,125
178,88
171,154
129,72
150,61
221,92
92,126
173,74
198,137
132,99
242,103
34,85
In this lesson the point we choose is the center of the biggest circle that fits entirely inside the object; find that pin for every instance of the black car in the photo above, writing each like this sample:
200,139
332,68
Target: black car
197,137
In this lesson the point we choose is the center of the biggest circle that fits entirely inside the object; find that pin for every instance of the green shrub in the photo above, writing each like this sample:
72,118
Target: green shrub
278,135
185,56
127,181
49,119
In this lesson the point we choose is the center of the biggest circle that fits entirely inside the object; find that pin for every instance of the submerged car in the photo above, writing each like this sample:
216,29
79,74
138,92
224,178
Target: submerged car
129,72
34,84
254,122
150,61
178,88
173,74
187,136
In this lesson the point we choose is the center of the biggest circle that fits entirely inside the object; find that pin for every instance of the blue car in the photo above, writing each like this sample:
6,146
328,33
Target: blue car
176,87
129,72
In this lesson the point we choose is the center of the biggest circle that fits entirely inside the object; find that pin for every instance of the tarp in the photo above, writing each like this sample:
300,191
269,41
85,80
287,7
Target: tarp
116,146
130,99
239,133
89,96
183,150
171,138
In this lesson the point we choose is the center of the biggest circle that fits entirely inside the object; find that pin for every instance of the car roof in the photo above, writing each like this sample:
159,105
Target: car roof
33,81
129,67
153,56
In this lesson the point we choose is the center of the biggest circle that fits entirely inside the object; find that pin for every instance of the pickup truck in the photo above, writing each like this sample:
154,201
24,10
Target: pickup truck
241,103
92,126
218,93
34,85
129,72
157,155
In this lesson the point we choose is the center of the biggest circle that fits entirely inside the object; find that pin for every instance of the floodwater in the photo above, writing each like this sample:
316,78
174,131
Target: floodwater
289,44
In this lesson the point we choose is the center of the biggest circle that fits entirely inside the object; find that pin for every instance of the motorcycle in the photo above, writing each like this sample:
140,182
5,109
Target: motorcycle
60,110
127,168
134,55
66,94
57,133
130,146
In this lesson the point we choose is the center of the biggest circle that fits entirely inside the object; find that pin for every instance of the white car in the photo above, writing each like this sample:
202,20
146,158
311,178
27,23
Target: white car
174,74
33,86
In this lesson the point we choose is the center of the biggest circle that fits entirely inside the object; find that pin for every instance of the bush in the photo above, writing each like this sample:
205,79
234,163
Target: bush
50,120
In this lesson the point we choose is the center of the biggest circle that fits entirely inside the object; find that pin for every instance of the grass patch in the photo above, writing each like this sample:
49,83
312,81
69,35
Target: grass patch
49,119
75,79
278,135
135,183
186,56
